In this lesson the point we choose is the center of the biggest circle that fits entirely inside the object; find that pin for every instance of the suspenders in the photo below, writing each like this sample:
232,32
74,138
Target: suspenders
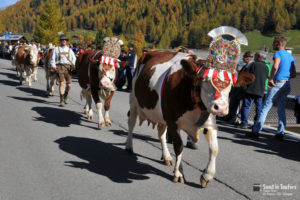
66,54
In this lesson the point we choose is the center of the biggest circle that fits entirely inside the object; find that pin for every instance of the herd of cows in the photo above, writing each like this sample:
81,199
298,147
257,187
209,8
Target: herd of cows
170,90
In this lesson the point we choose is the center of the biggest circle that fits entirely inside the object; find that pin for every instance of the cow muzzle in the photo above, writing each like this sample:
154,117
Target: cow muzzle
107,84
219,108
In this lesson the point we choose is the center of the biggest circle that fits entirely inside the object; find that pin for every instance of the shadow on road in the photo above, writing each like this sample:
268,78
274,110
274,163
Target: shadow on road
33,91
135,136
107,160
9,83
60,117
10,75
288,149
31,100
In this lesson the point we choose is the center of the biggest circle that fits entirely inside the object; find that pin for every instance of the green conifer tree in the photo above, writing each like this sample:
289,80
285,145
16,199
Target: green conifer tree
50,24
99,38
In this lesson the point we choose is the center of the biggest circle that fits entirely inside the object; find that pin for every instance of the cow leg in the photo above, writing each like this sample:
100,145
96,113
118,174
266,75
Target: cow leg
131,123
47,74
88,105
35,69
21,71
208,175
106,108
178,148
51,86
18,71
162,131
28,77
98,103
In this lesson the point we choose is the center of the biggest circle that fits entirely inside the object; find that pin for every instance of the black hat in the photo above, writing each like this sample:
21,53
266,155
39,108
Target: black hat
63,37
247,54
131,45
32,40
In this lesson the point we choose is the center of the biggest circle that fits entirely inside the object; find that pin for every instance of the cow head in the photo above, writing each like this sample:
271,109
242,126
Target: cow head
107,75
218,73
107,69
212,86
33,55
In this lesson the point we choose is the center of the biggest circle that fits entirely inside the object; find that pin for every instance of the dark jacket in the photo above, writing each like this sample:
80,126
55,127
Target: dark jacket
131,58
261,73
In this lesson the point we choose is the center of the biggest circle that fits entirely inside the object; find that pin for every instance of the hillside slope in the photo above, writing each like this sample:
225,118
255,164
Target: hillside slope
164,23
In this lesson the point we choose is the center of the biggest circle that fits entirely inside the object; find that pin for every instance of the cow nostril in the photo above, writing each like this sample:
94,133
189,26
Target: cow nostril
216,107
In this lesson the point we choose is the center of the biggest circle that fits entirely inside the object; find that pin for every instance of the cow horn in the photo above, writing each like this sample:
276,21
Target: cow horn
93,61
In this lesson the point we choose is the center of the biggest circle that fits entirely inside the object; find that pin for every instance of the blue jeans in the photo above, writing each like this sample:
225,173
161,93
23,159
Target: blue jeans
248,100
278,94
129,75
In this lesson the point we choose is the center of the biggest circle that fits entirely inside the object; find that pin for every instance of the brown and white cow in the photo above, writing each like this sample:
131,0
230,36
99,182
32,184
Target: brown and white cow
97,81
169,91
50,74
26,60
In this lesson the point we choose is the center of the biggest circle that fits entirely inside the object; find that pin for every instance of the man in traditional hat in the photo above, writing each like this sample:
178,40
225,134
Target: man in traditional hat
62,61
32,43
237,94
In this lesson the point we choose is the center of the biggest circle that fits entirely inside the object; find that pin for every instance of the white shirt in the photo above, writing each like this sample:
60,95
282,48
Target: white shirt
69,59
32,45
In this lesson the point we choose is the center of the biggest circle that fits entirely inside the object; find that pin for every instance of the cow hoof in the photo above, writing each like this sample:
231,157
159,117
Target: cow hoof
86,112
169,162
129,150
90,117
176,179
100,125
29,86
108,123
35,80
204,182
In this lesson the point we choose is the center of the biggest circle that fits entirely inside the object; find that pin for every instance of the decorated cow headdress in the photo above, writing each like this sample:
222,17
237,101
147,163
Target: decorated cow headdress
223,56
111,52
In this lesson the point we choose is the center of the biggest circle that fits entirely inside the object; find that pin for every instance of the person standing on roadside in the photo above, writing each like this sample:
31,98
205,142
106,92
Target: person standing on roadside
279,83
255,91
131,66
237,93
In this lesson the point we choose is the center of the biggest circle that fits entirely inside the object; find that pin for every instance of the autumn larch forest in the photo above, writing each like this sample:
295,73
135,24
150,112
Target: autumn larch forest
164,23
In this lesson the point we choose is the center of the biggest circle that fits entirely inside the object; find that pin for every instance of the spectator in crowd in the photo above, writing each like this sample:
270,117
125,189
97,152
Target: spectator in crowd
131,66
145,50
297,108
269,67
122,72
39,48
237,93
75,50
279,87
255,91
80,50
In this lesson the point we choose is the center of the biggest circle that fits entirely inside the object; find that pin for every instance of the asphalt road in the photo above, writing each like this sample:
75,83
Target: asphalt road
48,152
